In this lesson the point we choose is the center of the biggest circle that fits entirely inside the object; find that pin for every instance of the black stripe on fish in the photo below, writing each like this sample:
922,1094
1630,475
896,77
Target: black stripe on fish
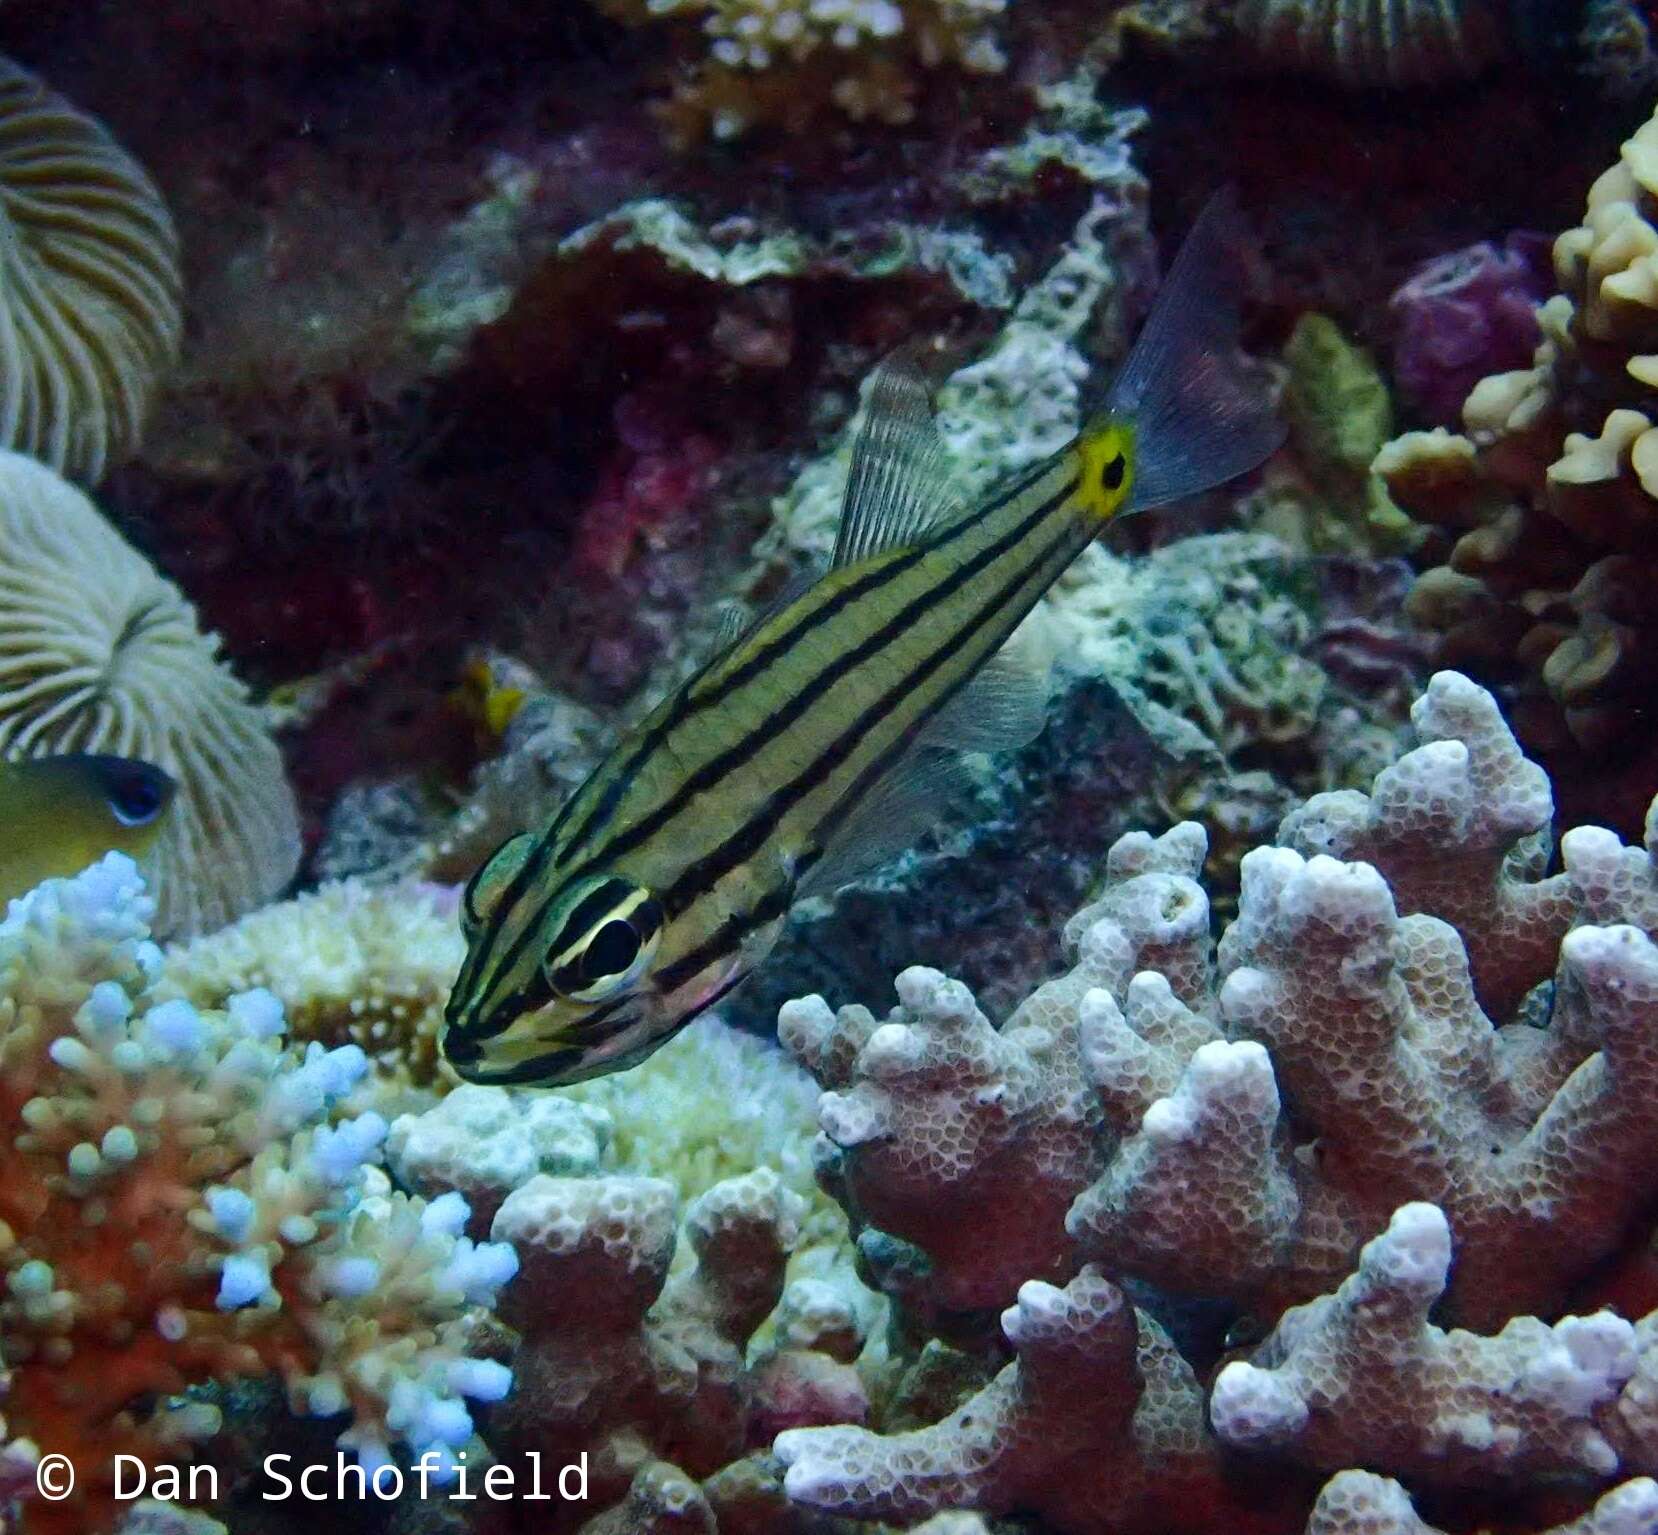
743,843
715,769
777,649
709,775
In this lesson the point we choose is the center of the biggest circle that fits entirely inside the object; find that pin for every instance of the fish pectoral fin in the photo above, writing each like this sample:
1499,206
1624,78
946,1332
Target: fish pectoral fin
900,482
1004,707
892,817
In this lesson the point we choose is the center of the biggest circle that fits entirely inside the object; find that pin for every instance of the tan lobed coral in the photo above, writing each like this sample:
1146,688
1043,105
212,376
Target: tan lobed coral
788,62
1551,492
99,653
1239,1122
184,1204
90,265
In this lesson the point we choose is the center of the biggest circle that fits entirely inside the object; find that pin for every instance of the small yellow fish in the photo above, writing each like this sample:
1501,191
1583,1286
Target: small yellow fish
59,814
820,741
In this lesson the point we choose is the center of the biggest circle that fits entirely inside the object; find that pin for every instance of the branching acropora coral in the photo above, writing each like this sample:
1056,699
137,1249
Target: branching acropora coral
180,1208
90,267
785,61
98,653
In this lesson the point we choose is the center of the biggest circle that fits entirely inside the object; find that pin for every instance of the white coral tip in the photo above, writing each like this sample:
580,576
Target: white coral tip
1414,1253
1254,1406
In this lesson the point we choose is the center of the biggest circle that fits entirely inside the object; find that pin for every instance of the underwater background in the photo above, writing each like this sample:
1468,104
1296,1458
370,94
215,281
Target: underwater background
1238,1112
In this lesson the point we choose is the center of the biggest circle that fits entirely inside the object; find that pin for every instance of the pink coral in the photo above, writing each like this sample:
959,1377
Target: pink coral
1464,315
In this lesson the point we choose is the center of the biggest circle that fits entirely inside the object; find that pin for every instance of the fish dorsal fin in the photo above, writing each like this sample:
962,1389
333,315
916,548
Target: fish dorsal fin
892,817
900,479
1004,707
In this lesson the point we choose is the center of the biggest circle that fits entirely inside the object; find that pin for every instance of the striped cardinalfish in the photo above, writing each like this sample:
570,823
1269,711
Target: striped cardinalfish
820,741
59,814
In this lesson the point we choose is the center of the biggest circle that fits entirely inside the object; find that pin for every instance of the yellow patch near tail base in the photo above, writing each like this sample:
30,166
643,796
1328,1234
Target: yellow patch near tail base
1106,479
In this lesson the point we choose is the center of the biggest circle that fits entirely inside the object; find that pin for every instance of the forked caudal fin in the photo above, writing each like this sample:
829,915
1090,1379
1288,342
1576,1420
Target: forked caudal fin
1200,411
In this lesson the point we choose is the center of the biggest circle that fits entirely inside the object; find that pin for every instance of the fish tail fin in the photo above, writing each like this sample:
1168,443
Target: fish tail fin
1199,412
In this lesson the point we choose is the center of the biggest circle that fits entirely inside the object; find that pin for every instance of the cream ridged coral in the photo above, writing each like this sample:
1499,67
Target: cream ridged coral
91,272
1361,44
181,1206
1552,492
369,965
1374,42
99,653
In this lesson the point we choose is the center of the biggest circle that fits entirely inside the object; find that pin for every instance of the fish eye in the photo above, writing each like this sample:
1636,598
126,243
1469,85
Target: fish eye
607,949
138,794
1112,471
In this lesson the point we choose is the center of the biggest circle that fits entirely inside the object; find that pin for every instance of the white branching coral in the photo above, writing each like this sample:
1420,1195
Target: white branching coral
183,1205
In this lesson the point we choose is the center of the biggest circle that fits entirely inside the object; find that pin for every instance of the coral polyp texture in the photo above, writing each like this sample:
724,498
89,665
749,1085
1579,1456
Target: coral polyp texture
184,1206
1551,490
636,1318
99,653
1097,1424
789,62
1362,1503
1377,1058
90,265
351,963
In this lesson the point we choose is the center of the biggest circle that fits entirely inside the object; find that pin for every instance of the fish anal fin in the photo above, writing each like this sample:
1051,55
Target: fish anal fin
899,484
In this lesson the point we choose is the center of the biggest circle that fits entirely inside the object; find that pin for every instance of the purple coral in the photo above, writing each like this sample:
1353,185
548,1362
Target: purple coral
1465,315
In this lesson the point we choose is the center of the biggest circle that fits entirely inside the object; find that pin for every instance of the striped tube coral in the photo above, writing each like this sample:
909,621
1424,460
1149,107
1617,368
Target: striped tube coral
183,1205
